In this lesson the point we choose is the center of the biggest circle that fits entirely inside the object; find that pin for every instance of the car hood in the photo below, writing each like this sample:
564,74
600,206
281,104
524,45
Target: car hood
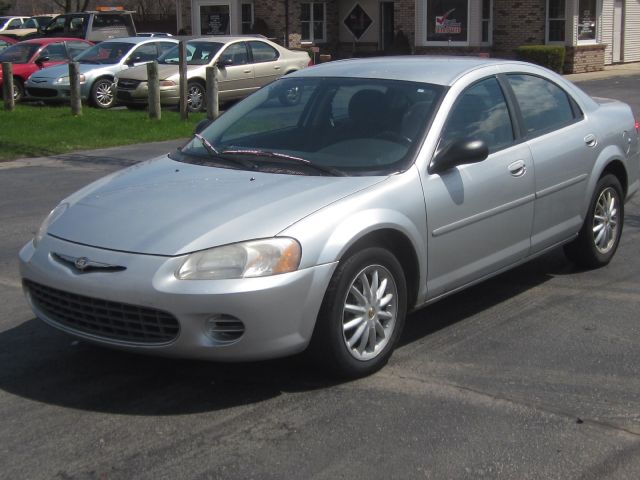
63,70
165,207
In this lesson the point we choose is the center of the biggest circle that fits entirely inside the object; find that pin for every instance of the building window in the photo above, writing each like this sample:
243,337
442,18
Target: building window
486,21
555,20
587,21
313,21
247,17
448,21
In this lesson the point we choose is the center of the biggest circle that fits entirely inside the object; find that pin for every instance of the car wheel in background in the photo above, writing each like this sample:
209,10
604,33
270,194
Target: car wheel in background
18,90
600,234
102,94
362,315
195,97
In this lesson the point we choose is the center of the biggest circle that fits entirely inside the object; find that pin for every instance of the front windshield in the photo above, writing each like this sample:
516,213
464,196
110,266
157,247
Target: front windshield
356,126
19,53
107,53
198,53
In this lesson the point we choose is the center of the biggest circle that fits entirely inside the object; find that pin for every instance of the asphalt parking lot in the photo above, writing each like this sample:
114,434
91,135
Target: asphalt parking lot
531,375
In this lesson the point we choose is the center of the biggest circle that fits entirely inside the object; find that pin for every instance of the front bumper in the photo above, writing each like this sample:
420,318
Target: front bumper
50,91
278,312
140,95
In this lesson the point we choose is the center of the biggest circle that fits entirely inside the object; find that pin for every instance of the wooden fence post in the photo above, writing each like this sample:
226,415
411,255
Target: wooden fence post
74,83
213,108
153,81
182,68
7,86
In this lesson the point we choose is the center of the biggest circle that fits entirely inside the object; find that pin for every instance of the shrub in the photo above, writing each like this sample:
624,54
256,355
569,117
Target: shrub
550,56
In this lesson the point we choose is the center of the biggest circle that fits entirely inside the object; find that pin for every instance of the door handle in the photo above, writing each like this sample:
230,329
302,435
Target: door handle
247,71
517,168
591,140
276,68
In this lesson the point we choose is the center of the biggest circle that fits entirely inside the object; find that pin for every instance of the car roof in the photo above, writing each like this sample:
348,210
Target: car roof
140,39
46,41
440,70
220,38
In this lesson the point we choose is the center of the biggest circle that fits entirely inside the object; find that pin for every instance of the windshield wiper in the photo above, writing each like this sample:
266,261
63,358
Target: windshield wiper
213,151
286,158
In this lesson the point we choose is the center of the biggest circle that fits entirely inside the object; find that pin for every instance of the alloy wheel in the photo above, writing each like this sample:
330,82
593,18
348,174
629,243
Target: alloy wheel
605,220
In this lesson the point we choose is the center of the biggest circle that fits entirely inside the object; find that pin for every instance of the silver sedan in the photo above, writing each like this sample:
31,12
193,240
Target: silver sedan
318,224
98,66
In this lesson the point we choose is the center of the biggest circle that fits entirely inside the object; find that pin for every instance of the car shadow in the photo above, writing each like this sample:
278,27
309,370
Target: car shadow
39,363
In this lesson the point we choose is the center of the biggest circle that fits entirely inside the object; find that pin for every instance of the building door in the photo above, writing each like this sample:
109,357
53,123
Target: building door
617,31
386,25
215,17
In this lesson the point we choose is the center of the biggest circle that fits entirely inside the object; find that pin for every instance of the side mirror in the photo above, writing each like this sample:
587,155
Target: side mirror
202,124
133,60
225,62
40,61
457,153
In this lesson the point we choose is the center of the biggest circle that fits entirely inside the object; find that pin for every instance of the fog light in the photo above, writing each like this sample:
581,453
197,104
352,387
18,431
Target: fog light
223,328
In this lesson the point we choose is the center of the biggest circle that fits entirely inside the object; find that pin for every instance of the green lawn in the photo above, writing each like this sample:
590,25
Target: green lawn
32,131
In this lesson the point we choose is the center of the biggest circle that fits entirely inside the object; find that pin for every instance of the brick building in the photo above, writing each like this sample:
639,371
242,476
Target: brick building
594,32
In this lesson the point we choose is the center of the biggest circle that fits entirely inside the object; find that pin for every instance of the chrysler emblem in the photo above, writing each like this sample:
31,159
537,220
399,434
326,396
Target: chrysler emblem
81,263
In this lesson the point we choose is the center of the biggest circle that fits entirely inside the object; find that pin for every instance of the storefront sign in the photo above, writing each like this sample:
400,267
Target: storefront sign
447,20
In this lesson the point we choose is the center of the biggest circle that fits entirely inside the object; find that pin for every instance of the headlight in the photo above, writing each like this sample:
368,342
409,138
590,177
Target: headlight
257,258
55,214
65,80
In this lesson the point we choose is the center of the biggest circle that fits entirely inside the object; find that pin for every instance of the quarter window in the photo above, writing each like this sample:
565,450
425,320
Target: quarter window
313,23
480,113
543,104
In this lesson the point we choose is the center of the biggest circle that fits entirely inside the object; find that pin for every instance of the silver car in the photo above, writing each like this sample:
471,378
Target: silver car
244,64
98,66
319,224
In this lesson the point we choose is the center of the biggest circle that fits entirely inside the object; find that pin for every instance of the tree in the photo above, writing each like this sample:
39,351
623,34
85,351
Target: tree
4,7
72,5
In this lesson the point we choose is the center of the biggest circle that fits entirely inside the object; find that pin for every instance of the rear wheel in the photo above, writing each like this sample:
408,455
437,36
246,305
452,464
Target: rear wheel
102,95
362,315
600,234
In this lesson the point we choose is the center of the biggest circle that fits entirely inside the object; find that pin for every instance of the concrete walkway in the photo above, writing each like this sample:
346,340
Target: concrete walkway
619,70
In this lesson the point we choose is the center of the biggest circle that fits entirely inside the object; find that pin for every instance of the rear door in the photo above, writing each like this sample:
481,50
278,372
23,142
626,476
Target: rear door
479,215
564,150
266,63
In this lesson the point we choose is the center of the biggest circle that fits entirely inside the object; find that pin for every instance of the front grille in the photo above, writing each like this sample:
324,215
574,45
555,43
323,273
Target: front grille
104,318
128,84
42,92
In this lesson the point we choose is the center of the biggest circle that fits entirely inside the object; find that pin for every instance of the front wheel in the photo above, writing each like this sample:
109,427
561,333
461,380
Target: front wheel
600,234
195,97
102,95
362,315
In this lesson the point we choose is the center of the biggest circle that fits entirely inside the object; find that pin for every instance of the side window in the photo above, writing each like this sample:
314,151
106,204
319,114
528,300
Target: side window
76,48
480,113
237,53
262,52
145,53
543,104
56,26
165,47
76,26
14,24
55,52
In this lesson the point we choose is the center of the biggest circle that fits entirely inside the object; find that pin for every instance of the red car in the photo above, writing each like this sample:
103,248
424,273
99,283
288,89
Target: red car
32,55
6,42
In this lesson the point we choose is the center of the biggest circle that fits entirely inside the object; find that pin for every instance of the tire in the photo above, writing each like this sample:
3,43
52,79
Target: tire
196,99
18,90
352,338
600,234
102,94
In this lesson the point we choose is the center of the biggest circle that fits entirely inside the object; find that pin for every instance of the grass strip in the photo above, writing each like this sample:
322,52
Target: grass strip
37,131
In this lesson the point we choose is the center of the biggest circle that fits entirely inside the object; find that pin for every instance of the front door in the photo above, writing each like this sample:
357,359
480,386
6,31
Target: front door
479,215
